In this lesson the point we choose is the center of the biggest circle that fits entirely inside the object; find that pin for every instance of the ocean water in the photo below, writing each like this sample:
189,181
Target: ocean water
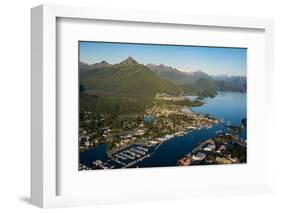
228,106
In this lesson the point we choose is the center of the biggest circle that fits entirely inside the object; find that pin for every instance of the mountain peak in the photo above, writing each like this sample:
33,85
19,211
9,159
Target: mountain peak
129,61
103,62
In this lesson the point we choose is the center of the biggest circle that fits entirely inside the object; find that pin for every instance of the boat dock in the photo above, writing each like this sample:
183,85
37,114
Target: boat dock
131,156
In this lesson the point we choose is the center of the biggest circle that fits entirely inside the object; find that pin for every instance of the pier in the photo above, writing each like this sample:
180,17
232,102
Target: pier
131,155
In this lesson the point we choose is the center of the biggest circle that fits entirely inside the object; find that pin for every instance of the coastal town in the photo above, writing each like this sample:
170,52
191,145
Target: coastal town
156,125
225,148
134,113
139,135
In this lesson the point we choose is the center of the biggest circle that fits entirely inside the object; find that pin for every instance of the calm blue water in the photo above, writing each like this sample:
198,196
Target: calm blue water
97,153
230,107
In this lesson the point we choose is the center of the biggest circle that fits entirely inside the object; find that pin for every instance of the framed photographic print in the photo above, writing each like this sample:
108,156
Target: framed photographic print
149,106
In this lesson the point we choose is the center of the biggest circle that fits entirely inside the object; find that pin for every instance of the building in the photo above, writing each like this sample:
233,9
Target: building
199,156
222,148
139,132
209,147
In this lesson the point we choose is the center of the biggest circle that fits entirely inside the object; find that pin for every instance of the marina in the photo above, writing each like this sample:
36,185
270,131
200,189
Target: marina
167,150
125,158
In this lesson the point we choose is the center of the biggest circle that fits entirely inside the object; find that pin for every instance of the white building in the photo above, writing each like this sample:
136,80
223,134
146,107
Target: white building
209,147
199,156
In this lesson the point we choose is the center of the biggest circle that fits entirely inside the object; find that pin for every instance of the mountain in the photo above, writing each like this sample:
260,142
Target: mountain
229,86
84,67
128,78
238,80
129,61
168,73
99,65
200,82
176,76
231,83
197,75
201,87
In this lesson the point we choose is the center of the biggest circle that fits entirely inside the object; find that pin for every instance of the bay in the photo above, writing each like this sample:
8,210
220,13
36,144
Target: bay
229,107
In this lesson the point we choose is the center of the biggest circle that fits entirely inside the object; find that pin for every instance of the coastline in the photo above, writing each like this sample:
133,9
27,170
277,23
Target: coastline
175,138
187,109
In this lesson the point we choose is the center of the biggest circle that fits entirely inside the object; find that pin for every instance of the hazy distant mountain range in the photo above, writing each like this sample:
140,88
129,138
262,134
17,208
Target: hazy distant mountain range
129,78
176,76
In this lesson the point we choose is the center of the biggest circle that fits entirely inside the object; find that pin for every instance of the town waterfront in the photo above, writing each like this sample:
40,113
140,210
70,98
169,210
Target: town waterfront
229,107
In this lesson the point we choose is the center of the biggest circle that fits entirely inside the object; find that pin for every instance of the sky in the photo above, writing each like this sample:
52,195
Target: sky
211,60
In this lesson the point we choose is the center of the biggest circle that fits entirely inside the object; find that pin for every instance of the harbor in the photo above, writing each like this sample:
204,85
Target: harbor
125,158
168,149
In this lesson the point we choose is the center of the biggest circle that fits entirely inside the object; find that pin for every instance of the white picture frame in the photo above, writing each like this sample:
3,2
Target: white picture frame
44,155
